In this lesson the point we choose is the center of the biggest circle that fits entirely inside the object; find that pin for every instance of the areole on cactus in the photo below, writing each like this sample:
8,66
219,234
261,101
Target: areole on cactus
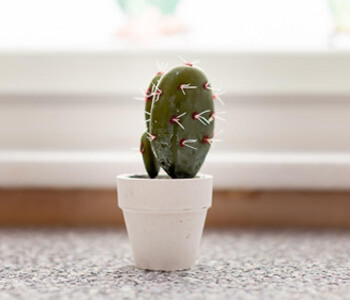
180,123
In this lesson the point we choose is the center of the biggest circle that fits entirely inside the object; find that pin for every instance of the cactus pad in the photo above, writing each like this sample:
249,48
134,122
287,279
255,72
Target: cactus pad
181,125
149,160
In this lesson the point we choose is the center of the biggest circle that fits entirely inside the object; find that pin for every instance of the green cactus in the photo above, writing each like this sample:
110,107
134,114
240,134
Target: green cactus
149,160
182,122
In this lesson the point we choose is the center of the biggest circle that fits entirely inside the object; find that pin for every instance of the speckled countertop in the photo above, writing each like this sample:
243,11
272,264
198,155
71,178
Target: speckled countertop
235,264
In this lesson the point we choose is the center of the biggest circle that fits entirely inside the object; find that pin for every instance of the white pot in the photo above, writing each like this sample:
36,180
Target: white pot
164,218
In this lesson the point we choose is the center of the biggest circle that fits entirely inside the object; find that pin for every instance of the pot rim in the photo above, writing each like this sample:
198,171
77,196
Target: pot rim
162,178
164,194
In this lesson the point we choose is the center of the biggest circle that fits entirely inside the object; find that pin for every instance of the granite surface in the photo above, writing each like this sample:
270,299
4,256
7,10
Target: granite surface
234,264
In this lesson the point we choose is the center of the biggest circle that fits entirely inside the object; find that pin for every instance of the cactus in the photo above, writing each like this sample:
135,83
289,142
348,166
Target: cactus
180,122
149,160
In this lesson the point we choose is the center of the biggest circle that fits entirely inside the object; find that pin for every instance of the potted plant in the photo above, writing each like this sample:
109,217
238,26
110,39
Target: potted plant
165,214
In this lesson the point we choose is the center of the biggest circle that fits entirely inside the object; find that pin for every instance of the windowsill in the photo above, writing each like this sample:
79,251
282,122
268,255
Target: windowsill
265,171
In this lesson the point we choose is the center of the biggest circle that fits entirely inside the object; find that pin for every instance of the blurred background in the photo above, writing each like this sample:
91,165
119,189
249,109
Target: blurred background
173,24
70,70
